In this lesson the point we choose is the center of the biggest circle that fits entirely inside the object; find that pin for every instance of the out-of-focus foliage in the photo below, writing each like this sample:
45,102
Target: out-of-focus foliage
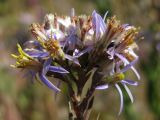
22,100
151,68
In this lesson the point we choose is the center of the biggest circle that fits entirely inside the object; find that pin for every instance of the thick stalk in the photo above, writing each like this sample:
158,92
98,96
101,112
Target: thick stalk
79,108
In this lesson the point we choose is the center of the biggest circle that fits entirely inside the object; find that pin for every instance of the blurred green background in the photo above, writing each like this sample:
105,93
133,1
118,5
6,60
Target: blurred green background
22,100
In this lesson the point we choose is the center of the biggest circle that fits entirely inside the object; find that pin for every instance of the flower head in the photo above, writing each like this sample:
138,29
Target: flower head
73,47
36,63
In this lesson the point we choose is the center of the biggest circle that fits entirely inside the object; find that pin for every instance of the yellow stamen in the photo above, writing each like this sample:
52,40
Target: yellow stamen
54,48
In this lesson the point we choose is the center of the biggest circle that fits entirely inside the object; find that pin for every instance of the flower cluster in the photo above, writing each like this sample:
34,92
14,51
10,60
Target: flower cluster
72,48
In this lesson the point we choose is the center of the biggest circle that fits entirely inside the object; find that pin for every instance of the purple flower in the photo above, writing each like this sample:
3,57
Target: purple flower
35,61
119,78
77,49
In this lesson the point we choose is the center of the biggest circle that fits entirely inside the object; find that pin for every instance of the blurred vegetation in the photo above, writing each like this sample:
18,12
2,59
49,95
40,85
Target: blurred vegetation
22,100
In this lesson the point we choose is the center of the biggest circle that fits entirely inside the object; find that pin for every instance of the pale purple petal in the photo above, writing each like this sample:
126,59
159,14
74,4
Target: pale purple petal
48,83
98,24
129,92
128,66
75,53
105,15
111,52
121,57
130,82
125,61
136,73
101,22
121,98
73,59
84,51
65,22
94,19
57,35
57,69
125,25
102,87
72,42
35,43
46,65
37,54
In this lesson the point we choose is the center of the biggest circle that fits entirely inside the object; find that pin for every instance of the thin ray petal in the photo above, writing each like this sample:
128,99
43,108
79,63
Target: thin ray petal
130,82
46,65
102,87
48,83
121,98
57,69
129,92
128,66
127,62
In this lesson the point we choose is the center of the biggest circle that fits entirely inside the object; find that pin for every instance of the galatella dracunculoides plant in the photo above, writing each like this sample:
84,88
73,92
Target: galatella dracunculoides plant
78,49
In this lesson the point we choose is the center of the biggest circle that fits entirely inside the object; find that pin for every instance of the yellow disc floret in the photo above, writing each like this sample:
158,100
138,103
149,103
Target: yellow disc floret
54,48
24,60
117,77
